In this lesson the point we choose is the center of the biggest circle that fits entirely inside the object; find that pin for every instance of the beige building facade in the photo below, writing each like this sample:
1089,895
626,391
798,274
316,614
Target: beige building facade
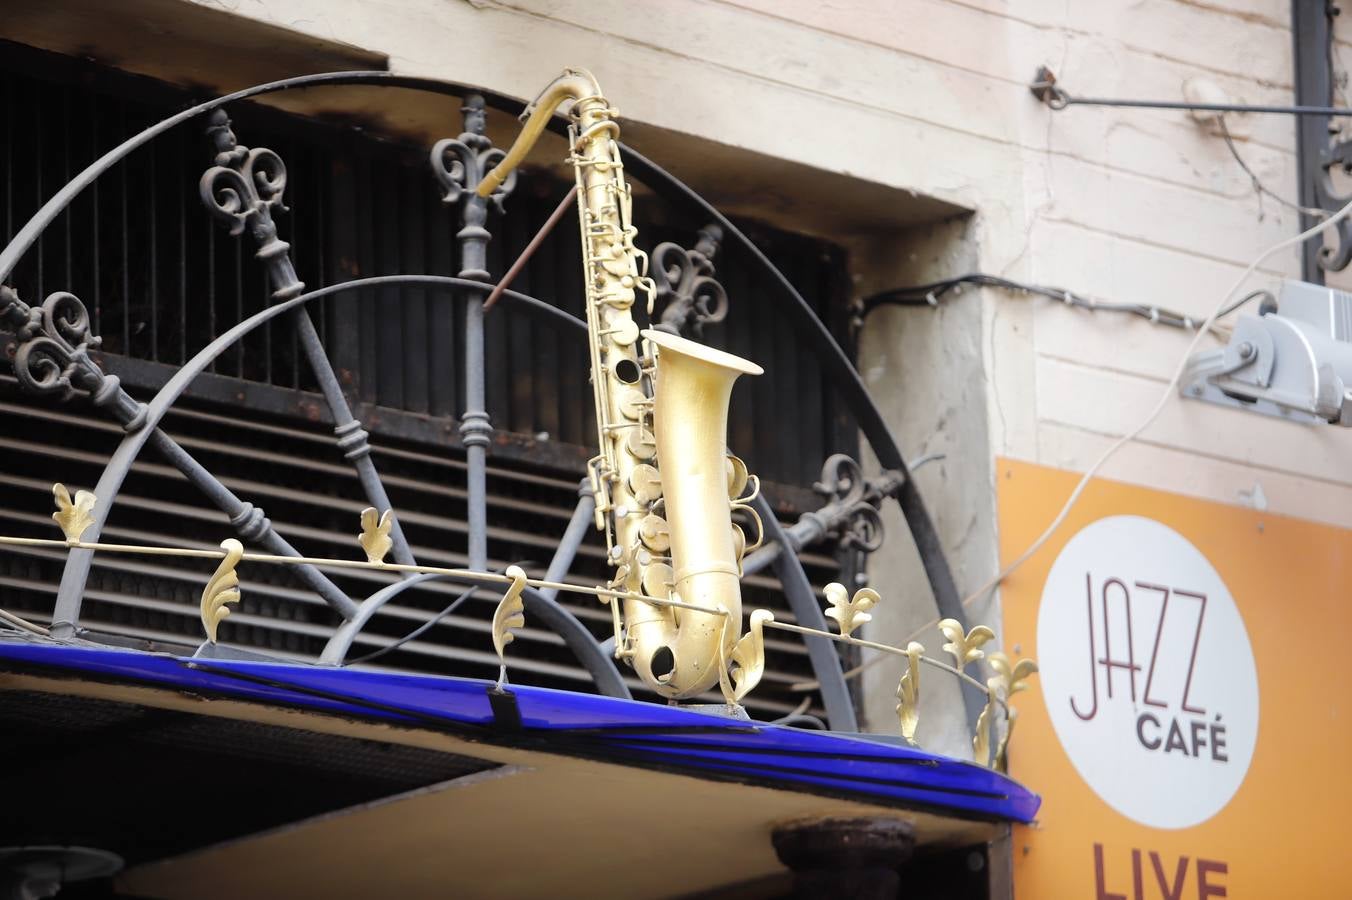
905,132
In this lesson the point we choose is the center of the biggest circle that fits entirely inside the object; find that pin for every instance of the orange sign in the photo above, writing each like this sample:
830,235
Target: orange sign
1189,730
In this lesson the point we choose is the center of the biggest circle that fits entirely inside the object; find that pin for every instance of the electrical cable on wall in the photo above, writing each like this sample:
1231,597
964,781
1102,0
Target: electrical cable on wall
1170,389
1258,187
931,295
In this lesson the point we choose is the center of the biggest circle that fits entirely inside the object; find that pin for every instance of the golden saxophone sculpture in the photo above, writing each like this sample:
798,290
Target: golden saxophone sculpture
664,484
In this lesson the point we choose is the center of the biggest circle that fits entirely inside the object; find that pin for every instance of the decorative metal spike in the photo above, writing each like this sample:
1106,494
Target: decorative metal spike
74,516
748,656
223,588
510,614
375,534
965,648
850,612
908,692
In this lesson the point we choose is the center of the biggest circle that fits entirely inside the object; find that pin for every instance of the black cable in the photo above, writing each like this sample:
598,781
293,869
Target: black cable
1258,186
376,654
930,295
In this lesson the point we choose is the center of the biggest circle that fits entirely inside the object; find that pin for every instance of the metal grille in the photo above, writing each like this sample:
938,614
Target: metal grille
312,497
161,279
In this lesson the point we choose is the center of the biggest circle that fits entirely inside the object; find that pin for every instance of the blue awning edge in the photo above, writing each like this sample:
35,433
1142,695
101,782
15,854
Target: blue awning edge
628,732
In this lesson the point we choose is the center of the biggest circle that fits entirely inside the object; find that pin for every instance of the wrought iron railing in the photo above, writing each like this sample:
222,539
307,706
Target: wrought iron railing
54,340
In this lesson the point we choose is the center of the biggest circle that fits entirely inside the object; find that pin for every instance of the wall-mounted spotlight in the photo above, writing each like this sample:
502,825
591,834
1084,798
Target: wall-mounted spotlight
1292,360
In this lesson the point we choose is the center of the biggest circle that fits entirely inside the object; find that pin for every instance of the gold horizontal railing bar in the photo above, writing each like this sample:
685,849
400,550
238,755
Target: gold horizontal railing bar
466,574
874,645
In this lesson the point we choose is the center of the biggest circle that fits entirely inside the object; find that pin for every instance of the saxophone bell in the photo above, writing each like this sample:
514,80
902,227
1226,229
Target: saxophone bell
679,651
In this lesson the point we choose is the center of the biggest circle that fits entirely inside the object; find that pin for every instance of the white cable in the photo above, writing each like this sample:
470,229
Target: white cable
1169,391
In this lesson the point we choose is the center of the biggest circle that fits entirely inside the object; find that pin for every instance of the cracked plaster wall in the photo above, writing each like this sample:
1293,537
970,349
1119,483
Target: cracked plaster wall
926,370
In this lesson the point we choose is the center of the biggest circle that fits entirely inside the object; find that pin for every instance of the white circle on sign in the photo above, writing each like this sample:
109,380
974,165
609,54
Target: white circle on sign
1147,672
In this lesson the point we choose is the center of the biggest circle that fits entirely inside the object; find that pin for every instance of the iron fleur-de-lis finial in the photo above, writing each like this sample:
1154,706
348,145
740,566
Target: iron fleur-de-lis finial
244,186
690,296
460,163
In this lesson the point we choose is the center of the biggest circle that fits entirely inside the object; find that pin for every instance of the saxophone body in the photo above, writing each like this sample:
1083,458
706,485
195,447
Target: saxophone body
663,482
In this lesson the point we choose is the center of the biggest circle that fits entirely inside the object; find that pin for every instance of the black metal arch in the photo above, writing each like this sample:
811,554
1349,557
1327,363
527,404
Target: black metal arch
835,362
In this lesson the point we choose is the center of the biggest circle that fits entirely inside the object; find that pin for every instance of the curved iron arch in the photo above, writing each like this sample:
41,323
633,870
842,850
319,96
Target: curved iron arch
666,186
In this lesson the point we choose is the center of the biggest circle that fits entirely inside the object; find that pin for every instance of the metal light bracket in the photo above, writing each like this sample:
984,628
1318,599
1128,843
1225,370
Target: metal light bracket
1295,363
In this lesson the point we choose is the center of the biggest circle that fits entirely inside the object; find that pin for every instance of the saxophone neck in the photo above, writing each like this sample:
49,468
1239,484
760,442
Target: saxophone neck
577,85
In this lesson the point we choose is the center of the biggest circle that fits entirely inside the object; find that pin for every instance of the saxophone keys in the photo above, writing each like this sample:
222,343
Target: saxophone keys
624,333
738,545
640,443
632,404
645,483
738,475
657,580
655,533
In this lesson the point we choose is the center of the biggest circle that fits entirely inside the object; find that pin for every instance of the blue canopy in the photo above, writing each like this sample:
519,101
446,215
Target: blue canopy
861,767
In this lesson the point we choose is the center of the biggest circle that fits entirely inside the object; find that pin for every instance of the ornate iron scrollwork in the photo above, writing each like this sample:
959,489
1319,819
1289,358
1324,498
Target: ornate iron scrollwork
1336,255
852,501
459,164
53,344
52,353
242,190
686,287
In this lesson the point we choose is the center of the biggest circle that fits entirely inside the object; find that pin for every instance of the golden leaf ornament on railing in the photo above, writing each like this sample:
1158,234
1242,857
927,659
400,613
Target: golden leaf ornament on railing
908,692
981,740
223,588
1012,678
1002,749
850,612
965,648
74,516
743,668
510,614
375,534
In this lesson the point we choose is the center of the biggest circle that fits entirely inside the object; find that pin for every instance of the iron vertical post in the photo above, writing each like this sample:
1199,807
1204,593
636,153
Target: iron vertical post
1310,49
475,427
